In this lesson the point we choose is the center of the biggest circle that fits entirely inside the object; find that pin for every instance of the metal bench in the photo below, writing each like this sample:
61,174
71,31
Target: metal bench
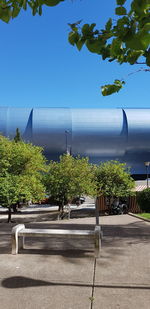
19,232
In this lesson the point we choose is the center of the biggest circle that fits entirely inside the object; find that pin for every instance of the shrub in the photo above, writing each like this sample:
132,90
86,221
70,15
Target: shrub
143,199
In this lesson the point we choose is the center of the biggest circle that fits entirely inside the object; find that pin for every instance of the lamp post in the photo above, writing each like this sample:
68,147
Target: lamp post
66,134
147,171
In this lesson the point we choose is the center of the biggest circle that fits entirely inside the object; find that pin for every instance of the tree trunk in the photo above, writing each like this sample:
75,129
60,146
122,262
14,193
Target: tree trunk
14,207
61,209
110,201
9,214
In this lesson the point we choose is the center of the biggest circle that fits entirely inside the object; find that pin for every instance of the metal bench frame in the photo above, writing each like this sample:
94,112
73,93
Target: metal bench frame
19,232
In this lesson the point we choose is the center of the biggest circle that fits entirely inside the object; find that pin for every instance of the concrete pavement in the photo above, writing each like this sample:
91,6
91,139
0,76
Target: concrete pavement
123,271
65,275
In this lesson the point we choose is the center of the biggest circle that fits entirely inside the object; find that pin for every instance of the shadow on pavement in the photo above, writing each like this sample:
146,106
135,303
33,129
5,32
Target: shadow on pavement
136,230
133,233
24,282
45,215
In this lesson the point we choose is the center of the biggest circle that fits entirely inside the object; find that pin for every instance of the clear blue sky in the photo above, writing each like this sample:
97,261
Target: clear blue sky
39,68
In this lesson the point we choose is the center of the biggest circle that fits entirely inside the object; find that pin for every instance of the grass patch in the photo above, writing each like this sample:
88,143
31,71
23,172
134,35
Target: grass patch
144,215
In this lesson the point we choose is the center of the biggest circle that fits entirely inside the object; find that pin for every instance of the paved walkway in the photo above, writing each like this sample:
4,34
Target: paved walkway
65,275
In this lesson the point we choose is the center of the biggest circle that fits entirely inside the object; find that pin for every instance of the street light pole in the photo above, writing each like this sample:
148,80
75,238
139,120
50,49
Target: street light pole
66,134
147,171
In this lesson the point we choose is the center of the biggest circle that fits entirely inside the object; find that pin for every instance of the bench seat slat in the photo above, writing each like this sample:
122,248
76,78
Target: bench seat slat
56,232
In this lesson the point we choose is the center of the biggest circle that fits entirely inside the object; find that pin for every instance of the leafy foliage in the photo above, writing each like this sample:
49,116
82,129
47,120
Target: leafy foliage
21,168
10,9
113,179
17,137
143,199
109,89
127,40
69,178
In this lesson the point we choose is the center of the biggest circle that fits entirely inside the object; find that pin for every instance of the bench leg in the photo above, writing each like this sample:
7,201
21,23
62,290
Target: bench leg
69,215
97,240
15,240
15,243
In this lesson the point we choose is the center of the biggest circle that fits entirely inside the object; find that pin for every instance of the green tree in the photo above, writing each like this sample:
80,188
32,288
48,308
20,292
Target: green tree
69,178
125,40
17,137
113,180
21,169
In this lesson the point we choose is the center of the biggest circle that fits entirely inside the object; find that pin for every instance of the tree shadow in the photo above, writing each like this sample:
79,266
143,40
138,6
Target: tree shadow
33,216
136,230
82,213
25,216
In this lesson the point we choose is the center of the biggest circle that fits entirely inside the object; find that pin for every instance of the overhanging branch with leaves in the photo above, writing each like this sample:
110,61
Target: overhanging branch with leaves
127,40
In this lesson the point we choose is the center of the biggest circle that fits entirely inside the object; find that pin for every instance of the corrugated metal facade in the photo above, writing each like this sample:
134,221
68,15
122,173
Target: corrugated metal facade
100,134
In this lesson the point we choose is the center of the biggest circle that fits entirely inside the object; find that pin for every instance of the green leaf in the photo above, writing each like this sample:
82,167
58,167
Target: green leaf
140,41
25,4
144,39
95,45
85,29
120,11
40,10
148,59
15,12
115,49
134,55
108,24
73,38
105,52
146,27
119,82
5,14
92,26
40,2
122,22
112,88
120,2
51,2
34,11
80,44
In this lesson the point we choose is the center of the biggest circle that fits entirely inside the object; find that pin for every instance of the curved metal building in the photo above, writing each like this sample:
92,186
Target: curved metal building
100,134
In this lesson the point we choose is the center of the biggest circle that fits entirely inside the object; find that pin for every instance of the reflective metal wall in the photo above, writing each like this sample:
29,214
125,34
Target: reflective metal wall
100,134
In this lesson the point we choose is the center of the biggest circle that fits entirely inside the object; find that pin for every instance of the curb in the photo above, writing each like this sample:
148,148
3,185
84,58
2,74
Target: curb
136,216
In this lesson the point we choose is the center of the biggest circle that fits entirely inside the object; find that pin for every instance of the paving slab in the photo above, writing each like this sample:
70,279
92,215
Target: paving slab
122,278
